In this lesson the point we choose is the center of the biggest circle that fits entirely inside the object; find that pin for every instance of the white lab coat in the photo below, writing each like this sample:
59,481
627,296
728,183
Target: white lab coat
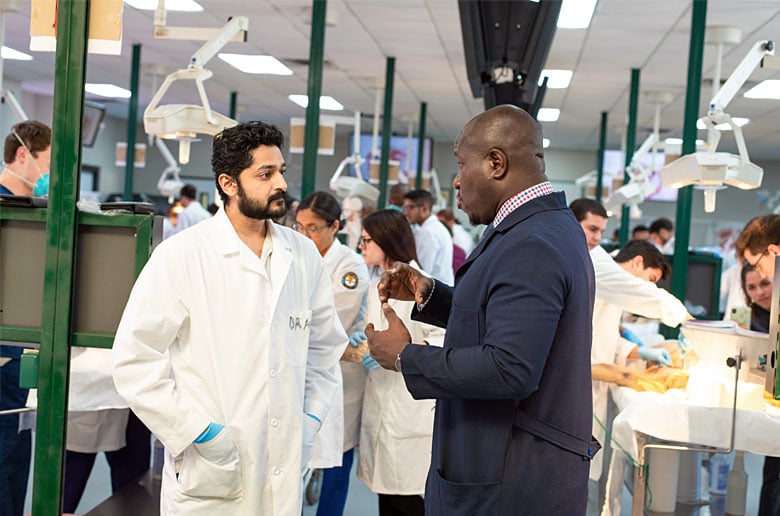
618,290
434,249
462,238
396,430
340,430
210,333
191,215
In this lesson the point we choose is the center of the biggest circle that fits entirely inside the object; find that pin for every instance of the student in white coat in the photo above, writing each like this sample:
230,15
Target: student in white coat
433,241
318,217
193,211
624,283
396,430
228,347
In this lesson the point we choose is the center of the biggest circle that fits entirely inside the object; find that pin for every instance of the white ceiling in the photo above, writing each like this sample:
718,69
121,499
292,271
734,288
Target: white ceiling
424,36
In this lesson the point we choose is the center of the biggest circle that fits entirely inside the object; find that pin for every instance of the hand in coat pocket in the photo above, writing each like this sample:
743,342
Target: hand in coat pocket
212,469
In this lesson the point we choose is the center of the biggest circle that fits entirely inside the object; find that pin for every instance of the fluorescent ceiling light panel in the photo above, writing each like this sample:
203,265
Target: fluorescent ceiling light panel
548,114
326,102
107,90
255,64
10,53
768,89
545,143
170,5
724,127
576,14
678,141
557,79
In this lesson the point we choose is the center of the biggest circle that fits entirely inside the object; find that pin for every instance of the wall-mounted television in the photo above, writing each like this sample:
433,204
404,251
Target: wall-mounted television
90,125
615,165
401,150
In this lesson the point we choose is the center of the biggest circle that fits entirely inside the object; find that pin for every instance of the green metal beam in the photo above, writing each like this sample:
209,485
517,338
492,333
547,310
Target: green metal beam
421,145
633,103
600,156
132,122
685,195
233,104
387,133
71,56
314,91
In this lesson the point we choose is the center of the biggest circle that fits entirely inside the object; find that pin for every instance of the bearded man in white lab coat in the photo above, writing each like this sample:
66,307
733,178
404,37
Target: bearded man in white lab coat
624,283
229,345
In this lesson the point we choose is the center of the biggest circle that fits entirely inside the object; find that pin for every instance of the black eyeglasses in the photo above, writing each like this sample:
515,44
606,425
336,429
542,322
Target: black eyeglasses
364,241
761,256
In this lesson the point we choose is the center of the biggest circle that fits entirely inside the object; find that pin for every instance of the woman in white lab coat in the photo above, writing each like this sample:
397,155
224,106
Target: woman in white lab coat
318,217
396,430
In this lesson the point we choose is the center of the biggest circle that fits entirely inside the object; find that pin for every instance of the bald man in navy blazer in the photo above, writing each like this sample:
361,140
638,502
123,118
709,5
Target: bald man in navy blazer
512,432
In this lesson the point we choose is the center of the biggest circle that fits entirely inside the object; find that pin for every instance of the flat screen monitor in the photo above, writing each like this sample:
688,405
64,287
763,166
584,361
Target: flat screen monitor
702,291
401,150
90,126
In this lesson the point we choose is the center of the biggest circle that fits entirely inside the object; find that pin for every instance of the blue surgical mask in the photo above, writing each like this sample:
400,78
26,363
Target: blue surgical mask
41,188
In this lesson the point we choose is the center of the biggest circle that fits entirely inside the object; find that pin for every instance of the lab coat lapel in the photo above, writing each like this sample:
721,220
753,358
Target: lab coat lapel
281,260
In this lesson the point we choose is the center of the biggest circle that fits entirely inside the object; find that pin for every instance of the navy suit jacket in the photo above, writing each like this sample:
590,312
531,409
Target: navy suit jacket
512,432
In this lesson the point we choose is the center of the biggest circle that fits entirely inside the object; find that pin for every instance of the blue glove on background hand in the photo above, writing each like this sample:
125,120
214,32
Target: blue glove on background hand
357,338
369,362
630,336
210,433
659,355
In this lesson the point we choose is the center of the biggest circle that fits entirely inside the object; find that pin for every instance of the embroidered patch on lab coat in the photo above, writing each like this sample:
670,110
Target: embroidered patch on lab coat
350,280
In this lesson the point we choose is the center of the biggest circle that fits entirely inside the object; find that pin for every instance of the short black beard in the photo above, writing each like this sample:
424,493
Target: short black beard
254,210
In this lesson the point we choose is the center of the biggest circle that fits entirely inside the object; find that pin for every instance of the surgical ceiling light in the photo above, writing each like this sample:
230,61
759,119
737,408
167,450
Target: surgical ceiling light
710,170
738,121
576,14
184,122
255,64
545,143
327,103
170,5
548,114
345,185
768,89
10,53
556,79
107,90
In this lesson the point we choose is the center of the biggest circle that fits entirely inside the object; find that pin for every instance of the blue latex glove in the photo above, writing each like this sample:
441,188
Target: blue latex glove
357,338
210,433
631,336
369,362
659,355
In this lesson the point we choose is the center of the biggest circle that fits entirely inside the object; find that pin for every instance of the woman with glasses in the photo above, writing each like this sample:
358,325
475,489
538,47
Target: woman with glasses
396,430
318,218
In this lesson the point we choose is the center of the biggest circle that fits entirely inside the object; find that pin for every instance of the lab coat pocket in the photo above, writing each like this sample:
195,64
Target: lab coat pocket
465,498
298,345
212,469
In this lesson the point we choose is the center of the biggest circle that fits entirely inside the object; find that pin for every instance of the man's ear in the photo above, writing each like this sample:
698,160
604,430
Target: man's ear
228,184
497,161
773,248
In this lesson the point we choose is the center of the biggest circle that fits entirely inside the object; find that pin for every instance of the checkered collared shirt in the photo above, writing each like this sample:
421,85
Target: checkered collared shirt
523,197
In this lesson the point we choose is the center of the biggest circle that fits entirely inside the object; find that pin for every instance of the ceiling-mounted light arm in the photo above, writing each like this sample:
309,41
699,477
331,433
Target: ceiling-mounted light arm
16,107
235,27
737,79
170,183
161,29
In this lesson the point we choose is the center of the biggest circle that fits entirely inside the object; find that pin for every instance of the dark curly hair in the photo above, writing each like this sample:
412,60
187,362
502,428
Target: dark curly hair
232,150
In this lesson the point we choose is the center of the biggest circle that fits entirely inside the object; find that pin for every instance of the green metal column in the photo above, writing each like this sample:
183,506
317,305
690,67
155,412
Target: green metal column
685,195
633,101
314,90
233,104
132,122
600,156
61,224
421,145
387,133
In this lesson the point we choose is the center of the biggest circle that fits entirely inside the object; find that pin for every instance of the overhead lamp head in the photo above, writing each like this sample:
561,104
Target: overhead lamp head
183,122
348,186
710,170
